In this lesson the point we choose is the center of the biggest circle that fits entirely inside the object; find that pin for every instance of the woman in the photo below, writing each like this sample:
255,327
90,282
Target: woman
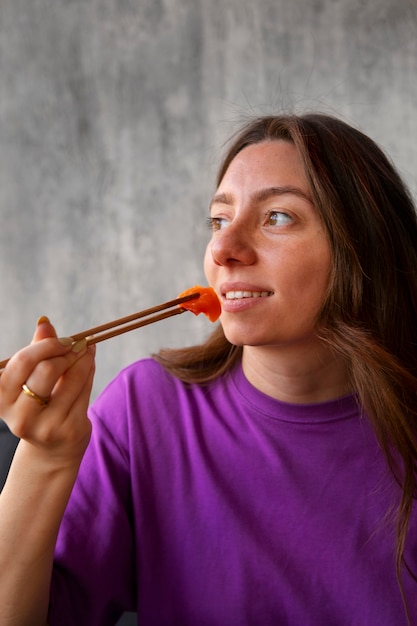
267,476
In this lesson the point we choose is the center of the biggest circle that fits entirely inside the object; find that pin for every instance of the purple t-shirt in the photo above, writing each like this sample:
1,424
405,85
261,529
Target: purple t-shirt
219,506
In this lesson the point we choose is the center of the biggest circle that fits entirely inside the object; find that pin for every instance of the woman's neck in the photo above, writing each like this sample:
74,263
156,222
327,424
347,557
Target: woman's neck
296,375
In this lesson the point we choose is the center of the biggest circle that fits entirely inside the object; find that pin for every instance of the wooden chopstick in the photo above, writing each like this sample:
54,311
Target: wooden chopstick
123,325
91,339
140,314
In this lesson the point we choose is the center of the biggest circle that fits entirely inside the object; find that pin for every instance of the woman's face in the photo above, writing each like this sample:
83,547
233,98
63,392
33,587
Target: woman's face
269,257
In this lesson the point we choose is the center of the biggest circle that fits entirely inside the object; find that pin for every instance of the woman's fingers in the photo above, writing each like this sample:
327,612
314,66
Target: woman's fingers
74,387
62,425
46,383
47,372
40,364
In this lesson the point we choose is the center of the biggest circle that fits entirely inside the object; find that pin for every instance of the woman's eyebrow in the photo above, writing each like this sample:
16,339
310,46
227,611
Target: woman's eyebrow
221,198
264,194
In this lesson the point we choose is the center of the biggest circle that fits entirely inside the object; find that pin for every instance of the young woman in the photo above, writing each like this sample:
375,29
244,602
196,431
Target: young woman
267,476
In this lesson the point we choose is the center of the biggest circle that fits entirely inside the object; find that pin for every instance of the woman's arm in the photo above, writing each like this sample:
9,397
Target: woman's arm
53,439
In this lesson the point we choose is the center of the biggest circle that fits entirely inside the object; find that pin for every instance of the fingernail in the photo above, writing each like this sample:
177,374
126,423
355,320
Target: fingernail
42,320
79,345
66,341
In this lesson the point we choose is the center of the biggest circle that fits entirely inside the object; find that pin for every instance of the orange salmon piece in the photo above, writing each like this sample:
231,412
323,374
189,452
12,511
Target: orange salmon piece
208,302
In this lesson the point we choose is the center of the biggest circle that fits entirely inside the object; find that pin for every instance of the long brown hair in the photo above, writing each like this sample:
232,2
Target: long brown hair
370,313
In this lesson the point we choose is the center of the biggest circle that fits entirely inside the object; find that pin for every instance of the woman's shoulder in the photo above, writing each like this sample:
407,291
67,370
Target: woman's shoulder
147,369
139,378
146,387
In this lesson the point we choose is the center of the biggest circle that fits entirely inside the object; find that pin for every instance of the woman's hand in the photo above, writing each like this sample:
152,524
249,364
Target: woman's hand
62,374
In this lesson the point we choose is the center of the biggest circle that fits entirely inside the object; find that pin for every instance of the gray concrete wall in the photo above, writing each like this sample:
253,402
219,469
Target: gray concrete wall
112,119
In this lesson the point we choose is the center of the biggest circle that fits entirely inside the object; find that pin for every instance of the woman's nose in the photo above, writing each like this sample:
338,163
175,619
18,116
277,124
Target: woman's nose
233,244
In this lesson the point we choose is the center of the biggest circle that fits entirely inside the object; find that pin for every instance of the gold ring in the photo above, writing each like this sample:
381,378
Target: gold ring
28,392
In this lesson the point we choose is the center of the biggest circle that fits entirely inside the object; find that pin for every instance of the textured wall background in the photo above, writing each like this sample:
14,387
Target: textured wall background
112,119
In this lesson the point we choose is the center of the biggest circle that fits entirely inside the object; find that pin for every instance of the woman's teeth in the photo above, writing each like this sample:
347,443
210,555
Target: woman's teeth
236,295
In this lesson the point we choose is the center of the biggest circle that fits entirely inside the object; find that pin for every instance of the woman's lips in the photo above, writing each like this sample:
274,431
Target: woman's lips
235,300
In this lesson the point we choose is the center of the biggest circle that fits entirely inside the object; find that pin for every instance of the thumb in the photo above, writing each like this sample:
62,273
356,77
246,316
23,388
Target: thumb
44,329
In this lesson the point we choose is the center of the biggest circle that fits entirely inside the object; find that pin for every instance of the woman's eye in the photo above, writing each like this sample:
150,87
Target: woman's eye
216,223
277,218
